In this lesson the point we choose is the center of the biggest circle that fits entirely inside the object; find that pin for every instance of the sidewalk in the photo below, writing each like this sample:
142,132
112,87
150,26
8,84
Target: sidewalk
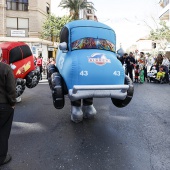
44,78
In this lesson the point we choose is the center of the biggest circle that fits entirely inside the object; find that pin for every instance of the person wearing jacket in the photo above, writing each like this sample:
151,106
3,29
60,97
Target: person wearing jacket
7,105
130,61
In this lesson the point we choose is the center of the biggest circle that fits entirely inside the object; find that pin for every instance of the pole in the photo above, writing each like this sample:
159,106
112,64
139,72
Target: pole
53,54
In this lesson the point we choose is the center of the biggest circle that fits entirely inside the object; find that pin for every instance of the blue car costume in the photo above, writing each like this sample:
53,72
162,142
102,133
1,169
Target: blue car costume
87,67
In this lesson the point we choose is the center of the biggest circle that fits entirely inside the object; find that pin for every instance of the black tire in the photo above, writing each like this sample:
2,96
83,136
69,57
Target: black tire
32,79
51,69
57,90
122,103
20,86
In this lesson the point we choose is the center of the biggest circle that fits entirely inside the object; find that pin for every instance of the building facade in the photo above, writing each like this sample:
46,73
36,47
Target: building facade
165,15
165,12
22,20
145,45
87,14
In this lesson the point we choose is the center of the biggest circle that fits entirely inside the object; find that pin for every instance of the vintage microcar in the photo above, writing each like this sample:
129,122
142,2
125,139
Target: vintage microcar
19,56
87,65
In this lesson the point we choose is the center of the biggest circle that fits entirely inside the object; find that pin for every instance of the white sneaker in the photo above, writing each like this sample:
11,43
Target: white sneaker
89,111
18,99
76,114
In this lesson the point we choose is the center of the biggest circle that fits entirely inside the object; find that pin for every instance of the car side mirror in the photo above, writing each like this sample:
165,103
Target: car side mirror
63,47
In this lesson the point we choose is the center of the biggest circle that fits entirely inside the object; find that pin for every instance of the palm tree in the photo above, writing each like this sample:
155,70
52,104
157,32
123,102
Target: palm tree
75,5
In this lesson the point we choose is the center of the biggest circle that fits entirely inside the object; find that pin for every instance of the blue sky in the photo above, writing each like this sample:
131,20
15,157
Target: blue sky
129,18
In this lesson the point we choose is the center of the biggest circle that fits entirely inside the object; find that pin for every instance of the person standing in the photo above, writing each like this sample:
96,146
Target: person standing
158,61
122,60
149,62
142,65
51,67
165,64
137,71
130,61
39,64
46,65
7,105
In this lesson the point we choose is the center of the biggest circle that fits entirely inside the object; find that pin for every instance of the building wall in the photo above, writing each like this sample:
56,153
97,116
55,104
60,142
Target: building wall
144,46
87,14
2,17
36,15
165,12
165,15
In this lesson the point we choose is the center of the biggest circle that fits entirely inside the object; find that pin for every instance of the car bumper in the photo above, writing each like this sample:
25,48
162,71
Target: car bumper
98,91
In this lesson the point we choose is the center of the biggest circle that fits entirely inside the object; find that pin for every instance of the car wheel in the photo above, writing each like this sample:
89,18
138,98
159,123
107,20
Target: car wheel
122,103
51,69
57,90
20,86
32,79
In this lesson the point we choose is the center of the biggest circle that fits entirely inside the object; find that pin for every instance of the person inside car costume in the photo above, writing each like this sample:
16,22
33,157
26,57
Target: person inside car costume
87,67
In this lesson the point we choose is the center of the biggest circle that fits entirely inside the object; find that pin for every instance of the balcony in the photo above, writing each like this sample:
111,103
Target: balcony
165,12
165,15
163,3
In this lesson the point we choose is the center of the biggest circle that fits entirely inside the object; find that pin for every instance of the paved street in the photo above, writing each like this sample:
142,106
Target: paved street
136,137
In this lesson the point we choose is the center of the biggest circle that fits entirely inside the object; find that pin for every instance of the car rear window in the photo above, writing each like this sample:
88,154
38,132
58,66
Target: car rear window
15,55
93,43
19,53
27,51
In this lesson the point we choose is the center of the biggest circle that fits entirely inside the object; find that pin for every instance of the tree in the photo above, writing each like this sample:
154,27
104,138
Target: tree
52,27
161,34
75,6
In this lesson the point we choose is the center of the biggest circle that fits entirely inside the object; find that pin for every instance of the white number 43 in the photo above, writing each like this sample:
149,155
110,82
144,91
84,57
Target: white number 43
84,73
116,73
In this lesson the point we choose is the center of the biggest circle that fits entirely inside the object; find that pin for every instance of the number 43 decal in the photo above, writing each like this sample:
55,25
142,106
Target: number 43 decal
84,73
116,73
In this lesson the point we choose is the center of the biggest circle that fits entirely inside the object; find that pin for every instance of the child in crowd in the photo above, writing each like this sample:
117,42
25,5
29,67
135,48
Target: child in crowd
161,74
151,75
136,74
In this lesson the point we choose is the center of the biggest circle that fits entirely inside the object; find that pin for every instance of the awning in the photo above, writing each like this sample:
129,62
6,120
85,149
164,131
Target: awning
27,40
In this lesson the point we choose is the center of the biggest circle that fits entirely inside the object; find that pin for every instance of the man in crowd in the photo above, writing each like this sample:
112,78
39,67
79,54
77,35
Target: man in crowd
122,60
7,105
130,61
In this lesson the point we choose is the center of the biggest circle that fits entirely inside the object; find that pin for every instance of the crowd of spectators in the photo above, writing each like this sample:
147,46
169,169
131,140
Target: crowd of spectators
137,66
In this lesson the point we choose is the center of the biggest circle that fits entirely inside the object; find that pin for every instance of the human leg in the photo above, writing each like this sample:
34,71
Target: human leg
41,70
128,72
145,73
6,118
76,111
88,109
142,76
131,73
167,74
